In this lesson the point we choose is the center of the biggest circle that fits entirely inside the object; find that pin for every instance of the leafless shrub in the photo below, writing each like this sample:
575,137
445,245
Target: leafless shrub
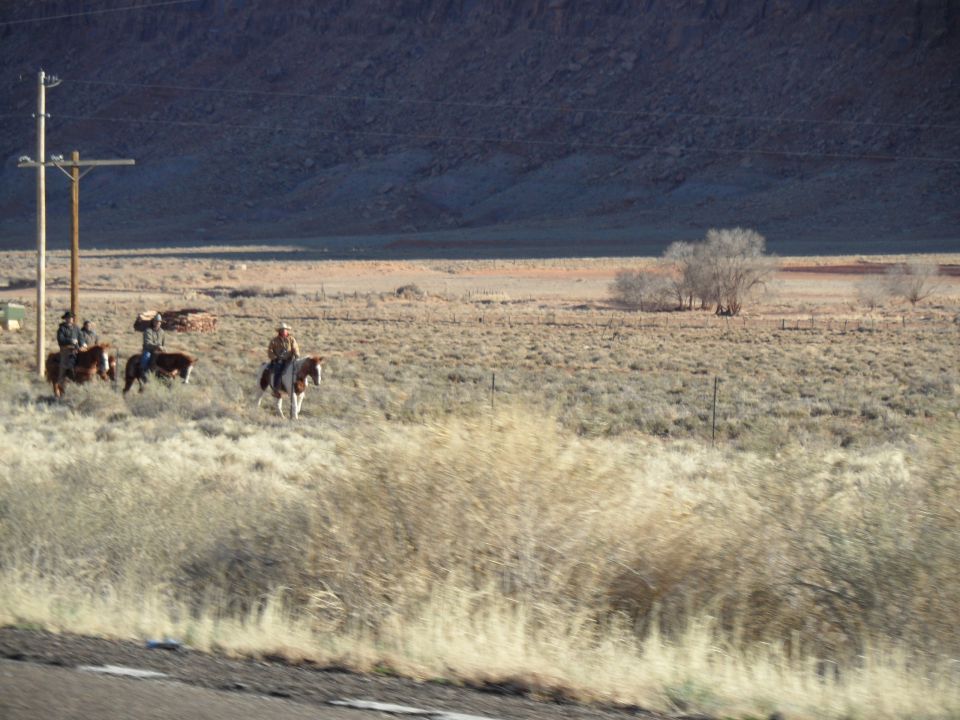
913,281
259,291
410,292
873,292
643,290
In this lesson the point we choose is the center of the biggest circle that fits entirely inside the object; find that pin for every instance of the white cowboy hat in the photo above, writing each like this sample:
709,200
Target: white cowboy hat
283,326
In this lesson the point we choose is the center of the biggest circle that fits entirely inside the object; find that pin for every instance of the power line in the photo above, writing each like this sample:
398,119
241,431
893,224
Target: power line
96,12
520,106
520,141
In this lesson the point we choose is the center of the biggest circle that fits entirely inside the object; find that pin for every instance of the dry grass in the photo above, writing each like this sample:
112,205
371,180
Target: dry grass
574,529
498,546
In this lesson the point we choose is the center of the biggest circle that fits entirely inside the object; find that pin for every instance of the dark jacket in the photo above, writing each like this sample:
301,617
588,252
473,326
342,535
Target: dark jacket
68,336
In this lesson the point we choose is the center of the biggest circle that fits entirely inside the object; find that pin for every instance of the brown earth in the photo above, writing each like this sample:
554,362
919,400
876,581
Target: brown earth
172,277
860,269
304,685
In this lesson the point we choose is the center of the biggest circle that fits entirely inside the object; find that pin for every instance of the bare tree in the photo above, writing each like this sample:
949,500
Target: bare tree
682,259
738,266
913,281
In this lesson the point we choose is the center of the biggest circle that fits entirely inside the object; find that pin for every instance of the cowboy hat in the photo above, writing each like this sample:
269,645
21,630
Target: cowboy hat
67,314
283,326
157,318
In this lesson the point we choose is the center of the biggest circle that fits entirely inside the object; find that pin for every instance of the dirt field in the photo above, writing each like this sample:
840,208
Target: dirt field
827,286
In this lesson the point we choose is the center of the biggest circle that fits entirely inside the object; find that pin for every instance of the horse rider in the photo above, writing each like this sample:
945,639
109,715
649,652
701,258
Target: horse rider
282,349
70,341
153,339
88,333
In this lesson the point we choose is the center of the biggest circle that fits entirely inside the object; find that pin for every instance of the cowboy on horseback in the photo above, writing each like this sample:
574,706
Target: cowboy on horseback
70,341
282,349
153,339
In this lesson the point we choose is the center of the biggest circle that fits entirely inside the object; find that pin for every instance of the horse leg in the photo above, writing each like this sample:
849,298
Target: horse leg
280,406
186,374
300,401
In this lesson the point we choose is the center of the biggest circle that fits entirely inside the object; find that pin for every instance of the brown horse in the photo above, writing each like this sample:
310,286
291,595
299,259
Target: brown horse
295,376
94,361
168,365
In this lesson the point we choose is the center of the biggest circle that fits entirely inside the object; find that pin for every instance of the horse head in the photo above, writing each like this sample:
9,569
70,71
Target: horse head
310,369
315,361
103,360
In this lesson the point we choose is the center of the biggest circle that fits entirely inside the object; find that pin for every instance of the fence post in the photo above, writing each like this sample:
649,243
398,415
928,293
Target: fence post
493,388
713,432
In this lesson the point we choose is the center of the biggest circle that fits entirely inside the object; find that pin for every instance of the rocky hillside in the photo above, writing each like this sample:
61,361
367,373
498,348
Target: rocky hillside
522,126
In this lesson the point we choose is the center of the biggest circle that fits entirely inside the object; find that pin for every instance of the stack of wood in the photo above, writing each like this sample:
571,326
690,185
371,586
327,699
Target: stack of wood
186,320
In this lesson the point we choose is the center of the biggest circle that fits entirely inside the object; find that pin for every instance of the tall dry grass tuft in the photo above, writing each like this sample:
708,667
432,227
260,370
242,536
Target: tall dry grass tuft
497,544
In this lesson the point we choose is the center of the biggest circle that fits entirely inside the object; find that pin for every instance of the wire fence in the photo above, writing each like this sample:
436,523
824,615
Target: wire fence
611,323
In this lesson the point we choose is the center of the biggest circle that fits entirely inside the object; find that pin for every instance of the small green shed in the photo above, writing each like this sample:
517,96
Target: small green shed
12,315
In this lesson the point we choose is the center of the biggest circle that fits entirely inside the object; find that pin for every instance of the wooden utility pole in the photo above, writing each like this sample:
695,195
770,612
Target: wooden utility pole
75,164
45,81
75,234
41,221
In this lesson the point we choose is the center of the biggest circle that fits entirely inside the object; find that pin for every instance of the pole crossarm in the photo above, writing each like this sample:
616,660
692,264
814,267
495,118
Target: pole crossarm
80,163
92,163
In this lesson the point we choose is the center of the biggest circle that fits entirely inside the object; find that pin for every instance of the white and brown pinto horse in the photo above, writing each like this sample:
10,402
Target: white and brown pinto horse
89,363
168,365
295,376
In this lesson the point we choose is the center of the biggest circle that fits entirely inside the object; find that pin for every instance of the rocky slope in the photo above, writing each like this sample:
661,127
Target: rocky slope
507,126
